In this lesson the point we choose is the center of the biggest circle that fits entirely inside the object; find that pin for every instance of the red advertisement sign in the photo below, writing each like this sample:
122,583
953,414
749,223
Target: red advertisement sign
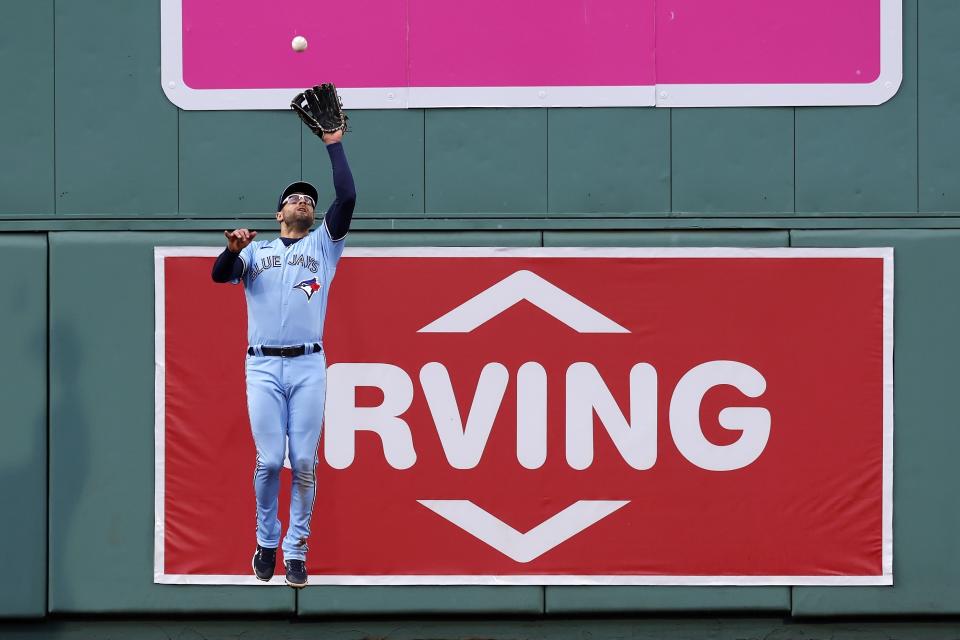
552,416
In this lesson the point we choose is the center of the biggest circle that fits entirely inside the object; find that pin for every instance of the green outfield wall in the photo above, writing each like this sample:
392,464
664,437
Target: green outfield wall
97,167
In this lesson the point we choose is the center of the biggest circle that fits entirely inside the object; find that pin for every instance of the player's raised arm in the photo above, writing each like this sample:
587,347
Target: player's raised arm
340,213
228,266
319,108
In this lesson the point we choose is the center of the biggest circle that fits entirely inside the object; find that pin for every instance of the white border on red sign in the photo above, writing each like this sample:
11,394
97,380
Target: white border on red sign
885,578
661,95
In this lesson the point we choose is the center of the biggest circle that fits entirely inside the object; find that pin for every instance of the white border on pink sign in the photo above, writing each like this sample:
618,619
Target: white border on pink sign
885,578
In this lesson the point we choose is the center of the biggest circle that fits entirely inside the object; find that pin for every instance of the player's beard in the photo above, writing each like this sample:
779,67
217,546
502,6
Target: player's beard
299,221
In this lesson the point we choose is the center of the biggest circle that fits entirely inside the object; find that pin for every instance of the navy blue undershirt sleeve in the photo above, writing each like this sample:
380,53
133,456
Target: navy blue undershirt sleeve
228,267
340,213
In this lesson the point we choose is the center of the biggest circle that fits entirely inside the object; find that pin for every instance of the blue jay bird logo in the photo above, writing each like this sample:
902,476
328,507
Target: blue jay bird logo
309,287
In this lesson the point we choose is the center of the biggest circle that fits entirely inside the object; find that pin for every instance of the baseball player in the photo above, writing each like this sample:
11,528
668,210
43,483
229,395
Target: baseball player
287,284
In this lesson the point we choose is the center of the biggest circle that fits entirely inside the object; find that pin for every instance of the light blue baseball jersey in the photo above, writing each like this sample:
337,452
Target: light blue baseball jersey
287,288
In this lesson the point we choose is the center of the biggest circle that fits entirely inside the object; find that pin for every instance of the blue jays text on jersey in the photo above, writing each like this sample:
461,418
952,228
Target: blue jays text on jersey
287,288
271,262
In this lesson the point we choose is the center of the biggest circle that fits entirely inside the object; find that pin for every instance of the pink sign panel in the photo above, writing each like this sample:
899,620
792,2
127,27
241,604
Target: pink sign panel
583,44
434,53
247,45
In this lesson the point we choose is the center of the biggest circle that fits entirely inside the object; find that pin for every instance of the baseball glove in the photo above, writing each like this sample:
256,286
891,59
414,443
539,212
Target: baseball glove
320,109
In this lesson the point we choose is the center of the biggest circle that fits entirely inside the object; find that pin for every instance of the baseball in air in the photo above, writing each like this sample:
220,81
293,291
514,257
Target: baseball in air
299,44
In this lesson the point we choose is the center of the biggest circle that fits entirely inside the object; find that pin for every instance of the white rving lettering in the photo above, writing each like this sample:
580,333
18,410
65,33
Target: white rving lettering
636,440
754,422
463,446
344,418
532,415
587,394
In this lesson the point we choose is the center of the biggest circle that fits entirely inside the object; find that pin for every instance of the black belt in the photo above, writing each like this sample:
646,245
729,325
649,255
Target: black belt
284,352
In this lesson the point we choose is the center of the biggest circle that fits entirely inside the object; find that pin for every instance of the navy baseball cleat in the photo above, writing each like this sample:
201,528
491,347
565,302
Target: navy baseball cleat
264,562
296,573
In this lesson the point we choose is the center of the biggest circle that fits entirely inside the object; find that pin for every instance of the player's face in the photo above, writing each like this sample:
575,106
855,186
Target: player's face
298,211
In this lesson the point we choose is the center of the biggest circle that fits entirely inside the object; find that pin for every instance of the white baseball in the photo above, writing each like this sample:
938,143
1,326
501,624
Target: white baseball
299,43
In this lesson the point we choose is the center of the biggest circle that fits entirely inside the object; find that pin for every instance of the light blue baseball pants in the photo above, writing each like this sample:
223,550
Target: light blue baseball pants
285,399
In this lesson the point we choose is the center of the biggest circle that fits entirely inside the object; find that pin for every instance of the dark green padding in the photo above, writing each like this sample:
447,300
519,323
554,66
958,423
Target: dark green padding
23,394
608,160
385,150
102,434
733,161
486,160
26,111
674,600
486,627
116,132
938,116
926,517
236,162
420,600
585,600
400,600
863,160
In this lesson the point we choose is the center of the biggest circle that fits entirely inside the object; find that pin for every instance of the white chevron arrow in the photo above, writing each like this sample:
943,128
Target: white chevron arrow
523,547
523,285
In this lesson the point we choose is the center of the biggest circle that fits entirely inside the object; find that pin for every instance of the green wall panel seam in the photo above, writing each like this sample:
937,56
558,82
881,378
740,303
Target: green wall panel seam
179,163
47,570
670,154
692,216
546,176
54,129
794,159
179,206
919,85
409,225
46,505
426,207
